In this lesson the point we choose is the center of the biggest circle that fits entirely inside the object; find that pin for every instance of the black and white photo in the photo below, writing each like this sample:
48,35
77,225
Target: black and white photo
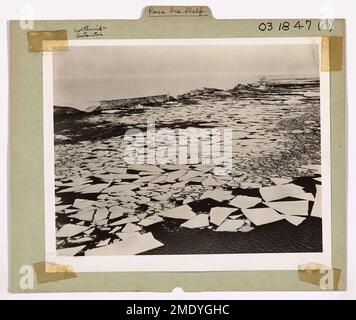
187,151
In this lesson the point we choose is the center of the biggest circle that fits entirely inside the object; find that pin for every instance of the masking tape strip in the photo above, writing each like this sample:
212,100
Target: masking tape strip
177,11
50,272
39,41
325,277
331,53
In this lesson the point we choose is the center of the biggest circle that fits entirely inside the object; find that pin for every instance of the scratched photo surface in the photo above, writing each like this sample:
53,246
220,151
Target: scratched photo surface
187,149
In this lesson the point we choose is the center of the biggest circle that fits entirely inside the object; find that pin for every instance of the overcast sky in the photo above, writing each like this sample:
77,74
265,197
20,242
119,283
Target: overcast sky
85,74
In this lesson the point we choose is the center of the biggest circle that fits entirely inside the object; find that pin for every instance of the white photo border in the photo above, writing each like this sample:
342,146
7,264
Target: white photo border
196,262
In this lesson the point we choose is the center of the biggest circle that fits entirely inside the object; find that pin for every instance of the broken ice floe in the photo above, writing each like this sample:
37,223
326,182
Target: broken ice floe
245,202
85,214
150,220
125,221
182,212
130,227
280,191
127,235
69,230
218,195
219,214
132,245
261,216
230,225
279,181
83,203
199,221
295,220
294,208
316,211
218,210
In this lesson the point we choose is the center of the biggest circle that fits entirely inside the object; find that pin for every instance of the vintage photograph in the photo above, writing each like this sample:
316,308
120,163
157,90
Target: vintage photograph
187,149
